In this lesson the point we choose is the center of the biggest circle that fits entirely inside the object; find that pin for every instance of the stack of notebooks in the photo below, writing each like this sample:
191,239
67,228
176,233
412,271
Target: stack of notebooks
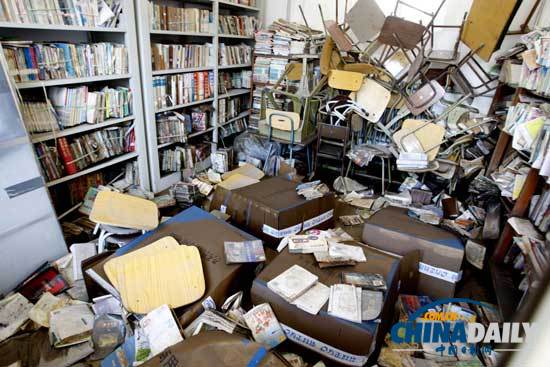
169,18
410,161
234,80
75,106
238,25
235,55
171,56
264,43
171,128
28,61
178,89
87,13
281,45
84,151
185,193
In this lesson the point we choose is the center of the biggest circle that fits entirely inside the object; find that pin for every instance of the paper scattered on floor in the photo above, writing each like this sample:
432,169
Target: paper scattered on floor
13,314
161,329
40,313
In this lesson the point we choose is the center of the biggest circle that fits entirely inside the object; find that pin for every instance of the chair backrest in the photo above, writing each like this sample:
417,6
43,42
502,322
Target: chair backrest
339,37
374,98
365,20
410,33
283,120
345,80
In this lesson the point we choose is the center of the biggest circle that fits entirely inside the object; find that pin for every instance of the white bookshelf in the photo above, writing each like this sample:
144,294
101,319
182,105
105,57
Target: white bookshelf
124,33
146,36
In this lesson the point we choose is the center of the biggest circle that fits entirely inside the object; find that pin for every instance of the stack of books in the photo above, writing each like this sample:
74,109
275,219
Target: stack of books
172,129
74,106
539,211
234,127
281,45
238,25
234,80
170,56
87,13
170,18
181,158
243,2
28,61
178,89
264,43
39,117
84,151
235,55
230,107
534,74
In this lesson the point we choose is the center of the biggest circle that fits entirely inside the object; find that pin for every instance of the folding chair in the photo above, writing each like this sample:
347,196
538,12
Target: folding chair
445,56
332,144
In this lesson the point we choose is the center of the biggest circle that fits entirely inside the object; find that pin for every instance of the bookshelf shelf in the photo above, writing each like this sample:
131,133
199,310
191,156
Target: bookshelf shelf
61,82
111,162
228,4
160,180
59,27
177,107
240,116
180,71
237,66
199,133
37,138
178,33
235,93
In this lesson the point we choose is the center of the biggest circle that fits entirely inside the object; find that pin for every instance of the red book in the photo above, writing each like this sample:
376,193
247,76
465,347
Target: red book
66,156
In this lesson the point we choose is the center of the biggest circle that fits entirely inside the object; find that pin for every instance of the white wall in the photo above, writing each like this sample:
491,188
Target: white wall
451,13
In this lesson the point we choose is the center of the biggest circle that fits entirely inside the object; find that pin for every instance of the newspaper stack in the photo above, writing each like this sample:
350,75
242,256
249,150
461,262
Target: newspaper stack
292,283
345,302
312,190
264,326
297,47
264,42
307,244
244,252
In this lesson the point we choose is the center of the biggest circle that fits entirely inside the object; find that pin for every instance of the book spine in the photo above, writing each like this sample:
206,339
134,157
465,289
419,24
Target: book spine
66,156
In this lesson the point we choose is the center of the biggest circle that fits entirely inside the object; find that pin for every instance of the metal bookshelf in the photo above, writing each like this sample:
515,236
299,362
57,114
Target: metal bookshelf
124,33
146,36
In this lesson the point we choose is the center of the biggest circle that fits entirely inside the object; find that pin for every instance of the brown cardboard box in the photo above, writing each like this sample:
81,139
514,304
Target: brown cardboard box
201,229
271,209
391,229
340,340
217,348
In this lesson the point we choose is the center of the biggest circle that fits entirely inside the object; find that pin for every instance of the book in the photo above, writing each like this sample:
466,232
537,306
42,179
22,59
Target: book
244,252
371,304
375,282
238,25
264,326
345,302
292,283
178,56
179,89
313,299
161,329
13,314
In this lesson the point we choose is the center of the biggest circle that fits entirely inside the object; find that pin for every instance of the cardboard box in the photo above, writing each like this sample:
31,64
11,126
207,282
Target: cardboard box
201,229
271,209
391,229
217,348
340,340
